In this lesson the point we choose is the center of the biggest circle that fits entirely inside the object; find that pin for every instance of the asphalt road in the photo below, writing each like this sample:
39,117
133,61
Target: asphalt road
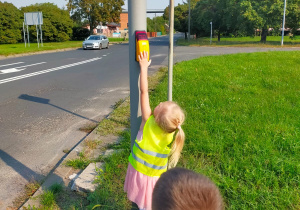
46,98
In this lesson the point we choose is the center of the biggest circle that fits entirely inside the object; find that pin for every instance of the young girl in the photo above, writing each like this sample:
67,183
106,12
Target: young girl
150,153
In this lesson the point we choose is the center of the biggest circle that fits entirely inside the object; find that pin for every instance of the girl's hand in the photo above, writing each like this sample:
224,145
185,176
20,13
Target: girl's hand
144,63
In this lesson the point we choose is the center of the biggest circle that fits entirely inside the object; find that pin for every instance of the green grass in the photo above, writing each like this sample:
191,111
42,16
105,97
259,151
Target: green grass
59,197
12,49
79,163
242,130
272,41
114,39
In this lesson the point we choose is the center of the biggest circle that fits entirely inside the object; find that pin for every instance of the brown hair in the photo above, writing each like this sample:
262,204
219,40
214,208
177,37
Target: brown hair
170,119
180,189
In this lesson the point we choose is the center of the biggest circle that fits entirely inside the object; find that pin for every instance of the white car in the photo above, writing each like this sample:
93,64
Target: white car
96,42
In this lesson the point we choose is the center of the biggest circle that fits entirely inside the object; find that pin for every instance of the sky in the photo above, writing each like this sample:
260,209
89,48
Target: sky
151,4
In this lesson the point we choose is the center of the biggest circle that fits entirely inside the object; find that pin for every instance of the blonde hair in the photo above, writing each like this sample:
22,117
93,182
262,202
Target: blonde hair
170,119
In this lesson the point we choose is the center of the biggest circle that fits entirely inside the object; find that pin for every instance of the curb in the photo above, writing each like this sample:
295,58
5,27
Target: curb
76,179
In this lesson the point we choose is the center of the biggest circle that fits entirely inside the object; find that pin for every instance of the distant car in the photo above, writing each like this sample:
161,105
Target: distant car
95,42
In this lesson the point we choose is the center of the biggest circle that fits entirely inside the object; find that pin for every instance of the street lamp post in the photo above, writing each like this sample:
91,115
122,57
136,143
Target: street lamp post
189,24
171,40
137,20
283,22
210,32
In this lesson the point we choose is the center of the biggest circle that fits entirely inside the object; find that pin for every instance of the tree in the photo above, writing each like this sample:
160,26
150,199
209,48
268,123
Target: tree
10,23
96,11
156,24
293,15
57,24
222,14
268,14
181,12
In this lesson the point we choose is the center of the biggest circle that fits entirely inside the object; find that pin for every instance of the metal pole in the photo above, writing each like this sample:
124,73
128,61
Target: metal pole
283,22
210,32
171,39
189,24
24,34
137,20
155,23
41,35
37,36
28,36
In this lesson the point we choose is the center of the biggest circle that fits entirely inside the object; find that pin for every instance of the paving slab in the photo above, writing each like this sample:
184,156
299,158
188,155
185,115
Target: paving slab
84,182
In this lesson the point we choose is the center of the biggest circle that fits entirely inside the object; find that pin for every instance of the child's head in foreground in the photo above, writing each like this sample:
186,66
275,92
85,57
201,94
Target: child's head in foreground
183,189
169,116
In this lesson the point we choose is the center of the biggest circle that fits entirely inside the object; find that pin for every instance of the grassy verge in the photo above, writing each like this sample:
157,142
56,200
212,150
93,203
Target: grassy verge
272,41
242,128
12,49
59,197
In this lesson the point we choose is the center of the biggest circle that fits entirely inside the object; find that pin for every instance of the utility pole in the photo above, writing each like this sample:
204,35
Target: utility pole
171,40
189,24
210,32
137,20
283,22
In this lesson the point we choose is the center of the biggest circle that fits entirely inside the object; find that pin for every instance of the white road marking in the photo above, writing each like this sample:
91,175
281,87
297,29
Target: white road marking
11,70
46,71
11,64
31,65
157,55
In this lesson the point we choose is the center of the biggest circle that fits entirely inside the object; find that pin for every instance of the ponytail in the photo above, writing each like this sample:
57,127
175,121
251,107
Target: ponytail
170,117
176,148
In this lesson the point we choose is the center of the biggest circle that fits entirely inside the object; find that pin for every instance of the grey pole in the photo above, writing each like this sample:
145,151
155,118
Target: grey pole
37,36
189,24
28,36
210,32
171,39
41,35
137,20
24,34
283,22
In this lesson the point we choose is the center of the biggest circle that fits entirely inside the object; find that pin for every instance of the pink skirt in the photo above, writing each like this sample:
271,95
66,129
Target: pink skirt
139,188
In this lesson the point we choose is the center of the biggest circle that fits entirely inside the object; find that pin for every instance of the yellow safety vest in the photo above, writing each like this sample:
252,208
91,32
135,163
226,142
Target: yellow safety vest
150,155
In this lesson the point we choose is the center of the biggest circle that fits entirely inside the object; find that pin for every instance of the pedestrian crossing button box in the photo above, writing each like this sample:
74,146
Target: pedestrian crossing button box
142,43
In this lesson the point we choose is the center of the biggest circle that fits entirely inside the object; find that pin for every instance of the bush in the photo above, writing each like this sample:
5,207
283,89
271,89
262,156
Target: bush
80,33
10,23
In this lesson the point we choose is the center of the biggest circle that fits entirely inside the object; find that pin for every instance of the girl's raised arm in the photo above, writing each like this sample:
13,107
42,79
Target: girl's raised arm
145,105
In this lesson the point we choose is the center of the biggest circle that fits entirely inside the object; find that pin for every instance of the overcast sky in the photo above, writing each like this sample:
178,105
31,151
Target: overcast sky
151,4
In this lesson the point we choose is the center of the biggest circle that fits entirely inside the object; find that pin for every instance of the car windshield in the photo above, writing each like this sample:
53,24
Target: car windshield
94,38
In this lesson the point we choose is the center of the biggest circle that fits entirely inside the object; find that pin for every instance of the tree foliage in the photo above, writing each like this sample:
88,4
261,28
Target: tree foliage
95,11
181,12
242,17
10,23
293,15
156,24
57,24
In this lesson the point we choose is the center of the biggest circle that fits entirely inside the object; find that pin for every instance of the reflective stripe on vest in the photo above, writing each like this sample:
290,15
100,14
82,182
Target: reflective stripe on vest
148,164
155,154
149,155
